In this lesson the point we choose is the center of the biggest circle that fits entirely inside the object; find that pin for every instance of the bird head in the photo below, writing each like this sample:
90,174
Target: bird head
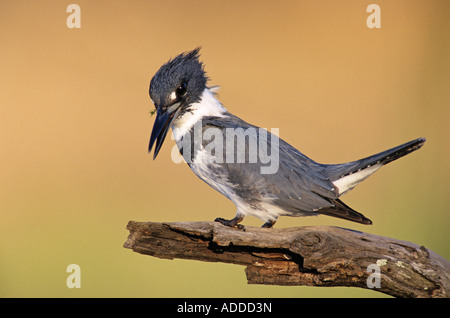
176,85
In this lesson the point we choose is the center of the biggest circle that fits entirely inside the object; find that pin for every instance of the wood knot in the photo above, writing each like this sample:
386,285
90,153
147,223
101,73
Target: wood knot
304,244
310,239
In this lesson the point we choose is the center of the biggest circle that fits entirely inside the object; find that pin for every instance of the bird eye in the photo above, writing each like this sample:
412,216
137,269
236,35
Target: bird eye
181,90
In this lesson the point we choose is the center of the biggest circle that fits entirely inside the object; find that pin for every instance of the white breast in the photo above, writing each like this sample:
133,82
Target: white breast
207,106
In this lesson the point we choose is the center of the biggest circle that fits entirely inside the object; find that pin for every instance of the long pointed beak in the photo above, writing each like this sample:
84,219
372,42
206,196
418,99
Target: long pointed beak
160,128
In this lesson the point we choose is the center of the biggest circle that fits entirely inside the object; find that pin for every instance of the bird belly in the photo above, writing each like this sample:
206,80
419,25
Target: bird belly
247,199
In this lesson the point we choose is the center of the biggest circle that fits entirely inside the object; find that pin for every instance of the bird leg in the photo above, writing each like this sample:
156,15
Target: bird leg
268,224
234,222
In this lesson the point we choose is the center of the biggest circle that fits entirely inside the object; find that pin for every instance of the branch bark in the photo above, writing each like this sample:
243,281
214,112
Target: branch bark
311,255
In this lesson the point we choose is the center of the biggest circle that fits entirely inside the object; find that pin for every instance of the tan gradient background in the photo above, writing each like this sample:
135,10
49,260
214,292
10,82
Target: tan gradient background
75,126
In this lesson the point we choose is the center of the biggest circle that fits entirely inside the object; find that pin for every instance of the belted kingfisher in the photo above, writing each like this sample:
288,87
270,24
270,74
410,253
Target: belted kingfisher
298,186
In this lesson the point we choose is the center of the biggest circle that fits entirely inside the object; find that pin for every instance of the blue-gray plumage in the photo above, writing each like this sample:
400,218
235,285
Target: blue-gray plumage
298,186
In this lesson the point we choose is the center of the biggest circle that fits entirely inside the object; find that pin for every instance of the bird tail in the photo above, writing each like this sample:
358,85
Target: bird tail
347,175
340,210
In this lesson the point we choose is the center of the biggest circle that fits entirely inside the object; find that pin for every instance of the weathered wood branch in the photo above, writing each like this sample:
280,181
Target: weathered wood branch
311,255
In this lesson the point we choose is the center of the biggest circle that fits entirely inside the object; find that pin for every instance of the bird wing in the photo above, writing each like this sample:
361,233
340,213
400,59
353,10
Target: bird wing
298,185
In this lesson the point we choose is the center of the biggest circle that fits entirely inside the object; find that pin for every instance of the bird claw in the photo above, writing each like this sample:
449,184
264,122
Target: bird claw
230,223
268,224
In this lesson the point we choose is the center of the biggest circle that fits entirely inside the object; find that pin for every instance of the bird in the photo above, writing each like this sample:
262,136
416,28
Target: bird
297,186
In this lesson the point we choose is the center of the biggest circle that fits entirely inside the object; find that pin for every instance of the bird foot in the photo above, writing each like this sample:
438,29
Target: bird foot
268,224
231,223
